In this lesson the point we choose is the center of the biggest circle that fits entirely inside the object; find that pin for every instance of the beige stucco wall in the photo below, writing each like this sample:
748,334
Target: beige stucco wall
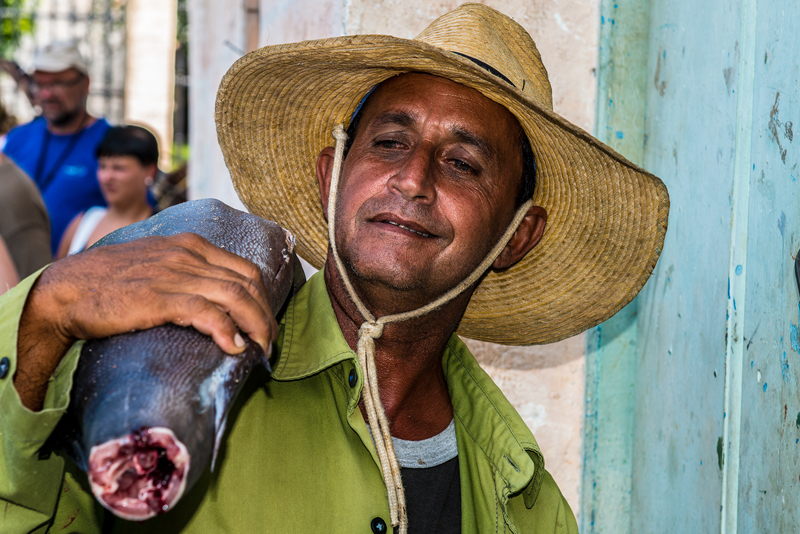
150,69
545,384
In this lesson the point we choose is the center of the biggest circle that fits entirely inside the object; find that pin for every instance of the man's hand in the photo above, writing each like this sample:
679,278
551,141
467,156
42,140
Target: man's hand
109,290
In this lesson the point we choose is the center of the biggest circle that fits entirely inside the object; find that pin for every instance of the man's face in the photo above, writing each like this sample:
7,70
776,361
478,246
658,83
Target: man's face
428,186
61,95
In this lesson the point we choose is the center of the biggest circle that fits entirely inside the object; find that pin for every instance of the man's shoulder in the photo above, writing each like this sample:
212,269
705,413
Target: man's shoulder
101,124
23,132
95,132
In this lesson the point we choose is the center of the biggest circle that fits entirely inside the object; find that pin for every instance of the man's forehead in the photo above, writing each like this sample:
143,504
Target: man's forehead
397,100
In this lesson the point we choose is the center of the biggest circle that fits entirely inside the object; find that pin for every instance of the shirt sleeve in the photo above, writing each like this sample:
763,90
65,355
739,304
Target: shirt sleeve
29,486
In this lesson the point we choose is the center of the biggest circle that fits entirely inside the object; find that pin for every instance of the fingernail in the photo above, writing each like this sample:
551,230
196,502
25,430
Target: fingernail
238,340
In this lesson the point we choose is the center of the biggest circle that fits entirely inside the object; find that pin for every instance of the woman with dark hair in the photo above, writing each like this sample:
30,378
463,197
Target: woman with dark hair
127,162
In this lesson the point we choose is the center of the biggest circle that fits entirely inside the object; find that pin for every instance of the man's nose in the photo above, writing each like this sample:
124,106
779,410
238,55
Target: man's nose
414,180
45,92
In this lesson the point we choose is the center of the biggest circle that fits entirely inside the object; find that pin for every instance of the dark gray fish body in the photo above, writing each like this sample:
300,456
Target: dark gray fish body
148,408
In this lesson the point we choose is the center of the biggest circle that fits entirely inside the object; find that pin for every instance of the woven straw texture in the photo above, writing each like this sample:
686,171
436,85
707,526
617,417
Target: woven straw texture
276,108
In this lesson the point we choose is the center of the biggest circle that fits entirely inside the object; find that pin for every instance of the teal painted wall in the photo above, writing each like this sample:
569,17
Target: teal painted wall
769,454
690,129
611,348
714,436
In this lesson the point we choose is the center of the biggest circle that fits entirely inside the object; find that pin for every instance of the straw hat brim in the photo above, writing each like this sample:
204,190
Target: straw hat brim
607,218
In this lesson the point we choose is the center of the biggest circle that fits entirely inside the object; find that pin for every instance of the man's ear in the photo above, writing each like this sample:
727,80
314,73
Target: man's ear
529,233
324,173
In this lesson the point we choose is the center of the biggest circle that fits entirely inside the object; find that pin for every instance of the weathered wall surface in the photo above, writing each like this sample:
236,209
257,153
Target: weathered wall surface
216,40
716,425
691,139
545,383
612,348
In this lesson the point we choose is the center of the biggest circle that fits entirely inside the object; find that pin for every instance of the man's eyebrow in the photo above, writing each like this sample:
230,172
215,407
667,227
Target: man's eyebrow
400,118
467,137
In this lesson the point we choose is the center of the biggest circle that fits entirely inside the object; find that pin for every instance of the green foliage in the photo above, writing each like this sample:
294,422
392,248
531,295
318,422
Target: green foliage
16,20
180,154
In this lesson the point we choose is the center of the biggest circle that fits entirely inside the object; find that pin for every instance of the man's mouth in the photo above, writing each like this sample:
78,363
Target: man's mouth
423,234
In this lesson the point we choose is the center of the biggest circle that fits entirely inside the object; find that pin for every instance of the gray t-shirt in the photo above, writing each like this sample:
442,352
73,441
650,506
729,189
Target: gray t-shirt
429,470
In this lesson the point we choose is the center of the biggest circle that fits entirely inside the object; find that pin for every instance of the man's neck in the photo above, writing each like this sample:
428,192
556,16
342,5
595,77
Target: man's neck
408,360
74,125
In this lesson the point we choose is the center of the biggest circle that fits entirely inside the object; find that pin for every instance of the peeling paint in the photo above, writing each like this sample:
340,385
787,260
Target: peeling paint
784,365
775,123
661,86
729,75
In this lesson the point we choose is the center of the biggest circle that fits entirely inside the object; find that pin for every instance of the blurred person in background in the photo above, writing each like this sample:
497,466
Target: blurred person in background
127,162
24,226
57,149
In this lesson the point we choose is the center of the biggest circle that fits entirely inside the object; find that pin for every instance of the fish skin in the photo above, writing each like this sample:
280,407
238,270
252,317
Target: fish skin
170,376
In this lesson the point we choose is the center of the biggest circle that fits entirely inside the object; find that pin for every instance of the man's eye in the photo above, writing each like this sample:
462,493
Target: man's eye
461,165
389,143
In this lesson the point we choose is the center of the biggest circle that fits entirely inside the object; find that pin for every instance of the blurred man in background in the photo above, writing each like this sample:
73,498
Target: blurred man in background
57,149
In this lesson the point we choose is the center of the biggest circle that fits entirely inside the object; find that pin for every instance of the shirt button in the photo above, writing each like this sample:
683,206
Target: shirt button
4,366
378,526
353,379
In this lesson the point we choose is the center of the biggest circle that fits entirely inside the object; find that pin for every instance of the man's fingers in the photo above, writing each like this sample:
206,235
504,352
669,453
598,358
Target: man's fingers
181,279
232,298
215,262
207,318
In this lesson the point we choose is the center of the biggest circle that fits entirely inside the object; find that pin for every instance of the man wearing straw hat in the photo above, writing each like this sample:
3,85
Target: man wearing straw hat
436,190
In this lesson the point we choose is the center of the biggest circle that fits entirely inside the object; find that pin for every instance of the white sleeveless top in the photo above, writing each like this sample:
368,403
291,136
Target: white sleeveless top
89,221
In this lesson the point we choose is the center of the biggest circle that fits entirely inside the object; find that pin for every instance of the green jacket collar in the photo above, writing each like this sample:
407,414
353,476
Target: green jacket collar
310,341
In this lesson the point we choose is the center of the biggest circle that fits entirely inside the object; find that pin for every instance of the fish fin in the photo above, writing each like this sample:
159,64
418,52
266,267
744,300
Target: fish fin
222,404
218,441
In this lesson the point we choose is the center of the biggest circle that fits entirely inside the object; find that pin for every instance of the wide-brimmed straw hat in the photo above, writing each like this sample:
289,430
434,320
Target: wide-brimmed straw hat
276,108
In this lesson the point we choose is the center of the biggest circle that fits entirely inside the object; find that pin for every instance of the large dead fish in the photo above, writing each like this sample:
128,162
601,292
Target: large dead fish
148,409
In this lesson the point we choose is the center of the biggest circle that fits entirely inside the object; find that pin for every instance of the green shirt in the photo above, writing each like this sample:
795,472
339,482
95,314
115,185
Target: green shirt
298,457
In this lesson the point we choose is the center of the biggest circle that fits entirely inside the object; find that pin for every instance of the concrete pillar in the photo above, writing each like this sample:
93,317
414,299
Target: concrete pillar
216,40
150,75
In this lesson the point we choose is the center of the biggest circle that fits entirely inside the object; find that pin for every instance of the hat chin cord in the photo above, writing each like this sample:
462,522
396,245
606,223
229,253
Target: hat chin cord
372,329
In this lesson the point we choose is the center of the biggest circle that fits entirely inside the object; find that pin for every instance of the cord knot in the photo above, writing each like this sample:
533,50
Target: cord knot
372,329
339,134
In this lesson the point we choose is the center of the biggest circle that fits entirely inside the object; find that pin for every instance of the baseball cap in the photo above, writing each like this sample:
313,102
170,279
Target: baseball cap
59,56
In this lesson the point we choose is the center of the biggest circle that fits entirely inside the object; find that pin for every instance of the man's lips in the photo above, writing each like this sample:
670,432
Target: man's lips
403,224
423,234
